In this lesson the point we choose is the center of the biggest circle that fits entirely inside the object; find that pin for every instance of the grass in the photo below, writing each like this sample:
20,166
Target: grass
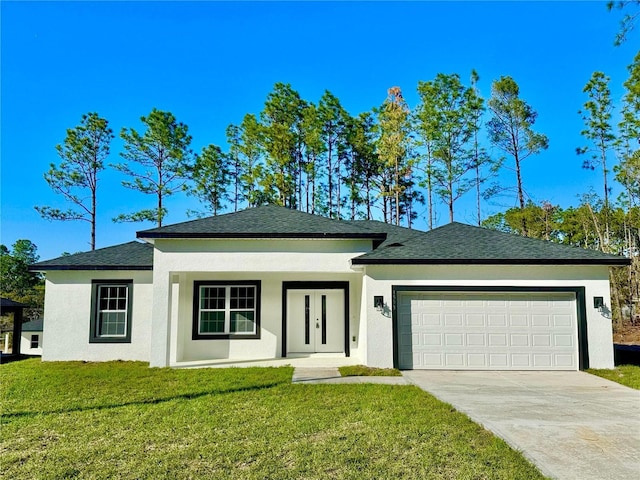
125,420
364,371
628,375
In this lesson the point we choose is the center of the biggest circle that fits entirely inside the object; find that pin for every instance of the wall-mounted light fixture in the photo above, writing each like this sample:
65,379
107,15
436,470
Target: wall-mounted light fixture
598,302
378,302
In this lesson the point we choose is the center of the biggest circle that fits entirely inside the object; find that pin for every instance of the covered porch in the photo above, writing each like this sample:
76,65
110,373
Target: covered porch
261,319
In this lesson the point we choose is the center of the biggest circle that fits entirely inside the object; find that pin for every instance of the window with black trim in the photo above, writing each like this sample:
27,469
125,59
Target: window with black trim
111,311
35,341
226,310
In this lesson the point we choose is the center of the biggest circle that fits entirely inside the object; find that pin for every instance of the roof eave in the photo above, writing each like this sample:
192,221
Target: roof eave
261,236
47,268
476,261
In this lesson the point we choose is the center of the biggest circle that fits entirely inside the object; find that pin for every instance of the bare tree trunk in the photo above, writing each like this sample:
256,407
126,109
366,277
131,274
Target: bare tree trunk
368,194
330,178
606,194
478,189
236,182
520,193
450,185
338,183
159,208
397,192
596,226
429,188
93,220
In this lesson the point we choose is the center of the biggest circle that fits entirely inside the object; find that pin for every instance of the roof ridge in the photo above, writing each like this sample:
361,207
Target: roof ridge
266,221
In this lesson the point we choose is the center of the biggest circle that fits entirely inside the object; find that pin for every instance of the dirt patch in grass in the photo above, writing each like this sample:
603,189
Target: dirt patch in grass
363,371
627,335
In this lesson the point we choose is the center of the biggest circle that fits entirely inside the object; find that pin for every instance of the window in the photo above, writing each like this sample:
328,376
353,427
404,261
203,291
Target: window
226,310
35,341
111,311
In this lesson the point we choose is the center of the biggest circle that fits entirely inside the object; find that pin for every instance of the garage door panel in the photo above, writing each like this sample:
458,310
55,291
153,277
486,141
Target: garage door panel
488,330
432,339
475,320
476,340
519,360
519,340
519,320
453,319
562,320
542,360
497,340
476,360
563,360
540,320
454,360
453,339
541,340
432,360
565,340
431,319
496,320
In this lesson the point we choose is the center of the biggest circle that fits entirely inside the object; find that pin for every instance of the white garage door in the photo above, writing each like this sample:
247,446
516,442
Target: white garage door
487,331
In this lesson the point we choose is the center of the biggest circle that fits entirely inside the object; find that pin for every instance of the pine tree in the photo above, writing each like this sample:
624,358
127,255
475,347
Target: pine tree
598,130
163,154
280,122
211,177
83,153
511,129
393,151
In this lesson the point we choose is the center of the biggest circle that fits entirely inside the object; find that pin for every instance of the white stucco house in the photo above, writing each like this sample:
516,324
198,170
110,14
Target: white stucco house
31,337
270,282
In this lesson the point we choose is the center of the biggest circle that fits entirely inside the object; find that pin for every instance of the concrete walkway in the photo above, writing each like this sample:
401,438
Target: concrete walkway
332,375
571,425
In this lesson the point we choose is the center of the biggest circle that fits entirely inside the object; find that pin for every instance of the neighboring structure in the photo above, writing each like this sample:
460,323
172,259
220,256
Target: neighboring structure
8,306
31,342
270,282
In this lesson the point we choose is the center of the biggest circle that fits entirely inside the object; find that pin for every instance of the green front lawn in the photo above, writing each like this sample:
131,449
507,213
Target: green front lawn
364,371
125,420
628,375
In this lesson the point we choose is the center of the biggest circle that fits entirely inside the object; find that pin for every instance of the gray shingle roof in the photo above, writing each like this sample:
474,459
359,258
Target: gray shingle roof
126,256
457,243
267,221
33,326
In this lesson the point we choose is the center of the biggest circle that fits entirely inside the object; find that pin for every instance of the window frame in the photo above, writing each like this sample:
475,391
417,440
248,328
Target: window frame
227,284
37,341
94,336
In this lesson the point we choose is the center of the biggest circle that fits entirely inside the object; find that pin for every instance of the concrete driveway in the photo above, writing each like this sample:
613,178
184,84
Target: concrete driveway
571,425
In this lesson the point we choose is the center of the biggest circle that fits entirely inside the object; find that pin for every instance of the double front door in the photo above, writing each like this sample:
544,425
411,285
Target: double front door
315,321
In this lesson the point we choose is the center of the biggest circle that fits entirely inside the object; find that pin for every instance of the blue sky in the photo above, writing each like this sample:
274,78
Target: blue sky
210,63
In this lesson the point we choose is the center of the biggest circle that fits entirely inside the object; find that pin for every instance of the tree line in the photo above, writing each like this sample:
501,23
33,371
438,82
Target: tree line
388,163
314,157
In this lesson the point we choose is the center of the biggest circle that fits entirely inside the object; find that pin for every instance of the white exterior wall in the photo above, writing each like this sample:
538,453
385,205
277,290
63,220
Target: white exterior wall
378,280
178,263
25,343
67,317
